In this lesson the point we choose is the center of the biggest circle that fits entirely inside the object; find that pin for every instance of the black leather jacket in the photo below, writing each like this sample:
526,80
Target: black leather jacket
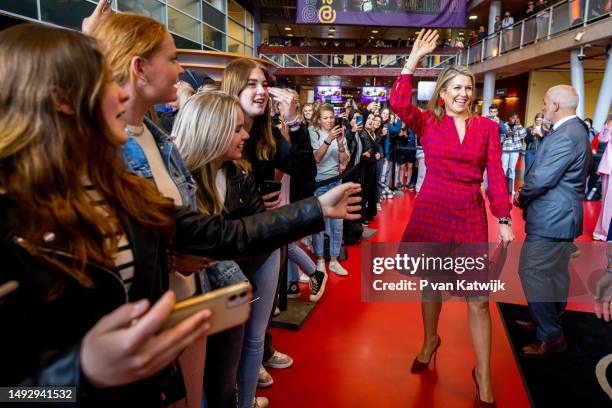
534,141
295,159
40,341
241,200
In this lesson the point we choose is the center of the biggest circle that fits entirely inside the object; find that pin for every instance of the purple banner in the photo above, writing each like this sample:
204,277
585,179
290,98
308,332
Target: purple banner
390,13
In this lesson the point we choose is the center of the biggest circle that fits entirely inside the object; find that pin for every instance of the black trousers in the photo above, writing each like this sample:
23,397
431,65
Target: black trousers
369,187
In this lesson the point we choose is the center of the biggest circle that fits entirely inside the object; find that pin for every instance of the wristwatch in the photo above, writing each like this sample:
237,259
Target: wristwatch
505,221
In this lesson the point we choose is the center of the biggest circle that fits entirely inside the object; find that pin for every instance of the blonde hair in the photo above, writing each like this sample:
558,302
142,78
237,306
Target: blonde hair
316,118
235,79
183,93
444,79
203,131
124,36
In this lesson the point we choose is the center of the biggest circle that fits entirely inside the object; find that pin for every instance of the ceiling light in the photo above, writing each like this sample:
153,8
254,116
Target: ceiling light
287,28
473,17
289,35
371,38
332,30
417,33
374,31
330,35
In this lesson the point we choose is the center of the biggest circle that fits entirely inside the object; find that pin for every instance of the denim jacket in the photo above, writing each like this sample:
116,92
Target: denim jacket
137,163
218,274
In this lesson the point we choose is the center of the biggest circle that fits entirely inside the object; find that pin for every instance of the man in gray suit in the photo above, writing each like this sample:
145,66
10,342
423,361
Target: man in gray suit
552,202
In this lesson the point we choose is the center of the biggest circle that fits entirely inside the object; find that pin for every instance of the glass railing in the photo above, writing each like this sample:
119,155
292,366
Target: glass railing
555,20
344,60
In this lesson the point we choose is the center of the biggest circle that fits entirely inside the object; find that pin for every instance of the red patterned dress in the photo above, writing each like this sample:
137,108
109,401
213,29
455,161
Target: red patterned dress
450,206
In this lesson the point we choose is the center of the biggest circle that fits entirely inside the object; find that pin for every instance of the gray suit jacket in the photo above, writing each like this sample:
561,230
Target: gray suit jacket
554,184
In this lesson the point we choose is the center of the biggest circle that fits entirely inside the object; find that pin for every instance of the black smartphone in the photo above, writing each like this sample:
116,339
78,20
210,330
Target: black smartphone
269,186
338,122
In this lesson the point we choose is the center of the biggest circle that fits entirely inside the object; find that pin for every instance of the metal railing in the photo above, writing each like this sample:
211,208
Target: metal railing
543,25
356,60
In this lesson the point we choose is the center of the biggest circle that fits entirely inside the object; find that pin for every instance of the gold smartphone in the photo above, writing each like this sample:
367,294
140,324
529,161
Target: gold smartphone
230,307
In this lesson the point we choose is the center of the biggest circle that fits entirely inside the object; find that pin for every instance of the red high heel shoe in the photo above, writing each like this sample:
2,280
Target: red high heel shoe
481,403
418,366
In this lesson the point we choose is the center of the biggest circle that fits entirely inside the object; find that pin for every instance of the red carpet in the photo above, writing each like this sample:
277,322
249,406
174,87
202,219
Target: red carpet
354,354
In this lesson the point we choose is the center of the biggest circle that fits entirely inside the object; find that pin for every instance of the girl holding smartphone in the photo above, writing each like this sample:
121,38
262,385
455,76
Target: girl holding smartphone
331,154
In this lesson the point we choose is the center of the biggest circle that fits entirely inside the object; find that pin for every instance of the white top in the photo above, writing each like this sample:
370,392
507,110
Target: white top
124,257
562,121
182,286
221,184
162,179
329,165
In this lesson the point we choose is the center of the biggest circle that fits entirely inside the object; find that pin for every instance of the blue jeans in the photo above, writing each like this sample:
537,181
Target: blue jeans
333,229
266,280
298,258
544,273
529,158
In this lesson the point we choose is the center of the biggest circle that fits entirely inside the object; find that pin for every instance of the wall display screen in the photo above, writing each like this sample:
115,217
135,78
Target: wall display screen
372,93
425,90
330,93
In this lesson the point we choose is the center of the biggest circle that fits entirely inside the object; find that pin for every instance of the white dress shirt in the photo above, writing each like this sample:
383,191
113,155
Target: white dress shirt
562,121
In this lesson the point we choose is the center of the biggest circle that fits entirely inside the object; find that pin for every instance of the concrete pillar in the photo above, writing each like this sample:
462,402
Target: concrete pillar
259,35
488,91
494,10
604,99
577,72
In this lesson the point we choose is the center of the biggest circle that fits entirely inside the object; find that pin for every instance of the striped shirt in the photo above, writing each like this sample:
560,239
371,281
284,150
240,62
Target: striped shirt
124,257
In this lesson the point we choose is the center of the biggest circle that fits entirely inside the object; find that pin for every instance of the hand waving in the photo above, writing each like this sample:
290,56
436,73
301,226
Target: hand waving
89,23
426,42
287,103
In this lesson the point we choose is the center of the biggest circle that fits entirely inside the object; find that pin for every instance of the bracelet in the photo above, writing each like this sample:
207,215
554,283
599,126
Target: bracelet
293,123
327,143
505,221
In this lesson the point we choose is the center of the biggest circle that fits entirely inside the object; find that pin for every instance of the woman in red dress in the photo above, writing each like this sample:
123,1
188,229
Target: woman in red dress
458,147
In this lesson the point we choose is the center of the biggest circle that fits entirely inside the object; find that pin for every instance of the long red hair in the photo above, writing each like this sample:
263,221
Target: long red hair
44,154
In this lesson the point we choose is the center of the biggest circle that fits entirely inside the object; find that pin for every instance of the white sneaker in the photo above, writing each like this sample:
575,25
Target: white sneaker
279,360
321,265
264,379
305,278
335,267
260,402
